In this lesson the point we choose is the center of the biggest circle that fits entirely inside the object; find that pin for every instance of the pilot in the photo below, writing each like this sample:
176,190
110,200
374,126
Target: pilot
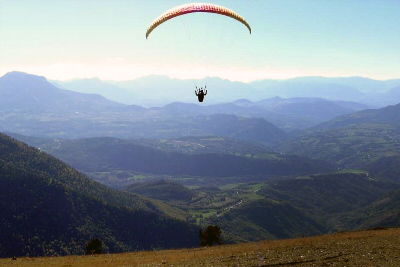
200,93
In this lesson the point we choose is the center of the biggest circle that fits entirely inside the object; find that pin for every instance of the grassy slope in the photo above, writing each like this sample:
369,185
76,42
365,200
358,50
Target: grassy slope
361,248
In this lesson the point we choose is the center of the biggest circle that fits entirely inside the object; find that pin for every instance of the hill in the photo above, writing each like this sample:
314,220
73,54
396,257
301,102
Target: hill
390,97
34,94
369,146
285,208
324,197
394,93
266,219
308,205
96,86
367,139
302,112
289,113
317,201
381,213
48,208
389,114
360,248
210,144
286,113
163,190
137,157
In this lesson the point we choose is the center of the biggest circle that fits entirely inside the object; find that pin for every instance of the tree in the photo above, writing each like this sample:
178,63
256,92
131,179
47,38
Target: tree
94,246
210,236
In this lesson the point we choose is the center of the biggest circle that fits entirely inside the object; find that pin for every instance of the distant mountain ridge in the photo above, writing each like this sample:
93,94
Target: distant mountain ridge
389,114
41,109
30,92
96,86
161,90
329,91
286,113
364,85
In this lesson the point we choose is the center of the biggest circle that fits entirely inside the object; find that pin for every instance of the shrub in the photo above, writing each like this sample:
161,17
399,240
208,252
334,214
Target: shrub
94,246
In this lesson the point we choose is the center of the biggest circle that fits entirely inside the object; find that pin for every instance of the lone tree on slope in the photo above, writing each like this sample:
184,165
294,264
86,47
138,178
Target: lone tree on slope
210,236
94,246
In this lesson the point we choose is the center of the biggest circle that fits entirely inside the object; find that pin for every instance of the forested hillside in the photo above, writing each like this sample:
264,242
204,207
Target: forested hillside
48,208
193,157
163,190
369,146
307,205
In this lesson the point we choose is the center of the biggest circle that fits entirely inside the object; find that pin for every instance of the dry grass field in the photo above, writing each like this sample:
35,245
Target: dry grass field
360,248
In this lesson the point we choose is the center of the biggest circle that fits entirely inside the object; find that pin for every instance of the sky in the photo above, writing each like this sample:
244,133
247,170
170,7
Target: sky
69,39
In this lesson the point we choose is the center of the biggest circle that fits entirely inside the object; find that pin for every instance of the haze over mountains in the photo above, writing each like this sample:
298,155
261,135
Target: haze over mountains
160,90
314,156
32,106
25,92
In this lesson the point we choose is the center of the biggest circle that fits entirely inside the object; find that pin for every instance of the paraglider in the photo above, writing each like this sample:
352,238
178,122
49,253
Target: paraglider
200,93
192,8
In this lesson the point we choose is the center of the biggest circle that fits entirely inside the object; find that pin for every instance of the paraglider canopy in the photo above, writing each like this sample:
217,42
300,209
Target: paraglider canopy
192,8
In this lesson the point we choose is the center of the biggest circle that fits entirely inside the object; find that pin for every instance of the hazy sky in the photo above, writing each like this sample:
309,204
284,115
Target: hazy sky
106,39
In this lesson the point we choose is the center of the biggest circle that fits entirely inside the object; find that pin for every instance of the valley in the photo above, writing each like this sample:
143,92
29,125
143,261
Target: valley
230,133
329,166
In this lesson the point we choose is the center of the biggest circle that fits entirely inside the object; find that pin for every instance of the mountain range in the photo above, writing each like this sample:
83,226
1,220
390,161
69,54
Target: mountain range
27,93
221,152
32,106
160,90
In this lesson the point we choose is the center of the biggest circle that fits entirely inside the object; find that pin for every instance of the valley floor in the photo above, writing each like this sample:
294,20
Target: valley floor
360,248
